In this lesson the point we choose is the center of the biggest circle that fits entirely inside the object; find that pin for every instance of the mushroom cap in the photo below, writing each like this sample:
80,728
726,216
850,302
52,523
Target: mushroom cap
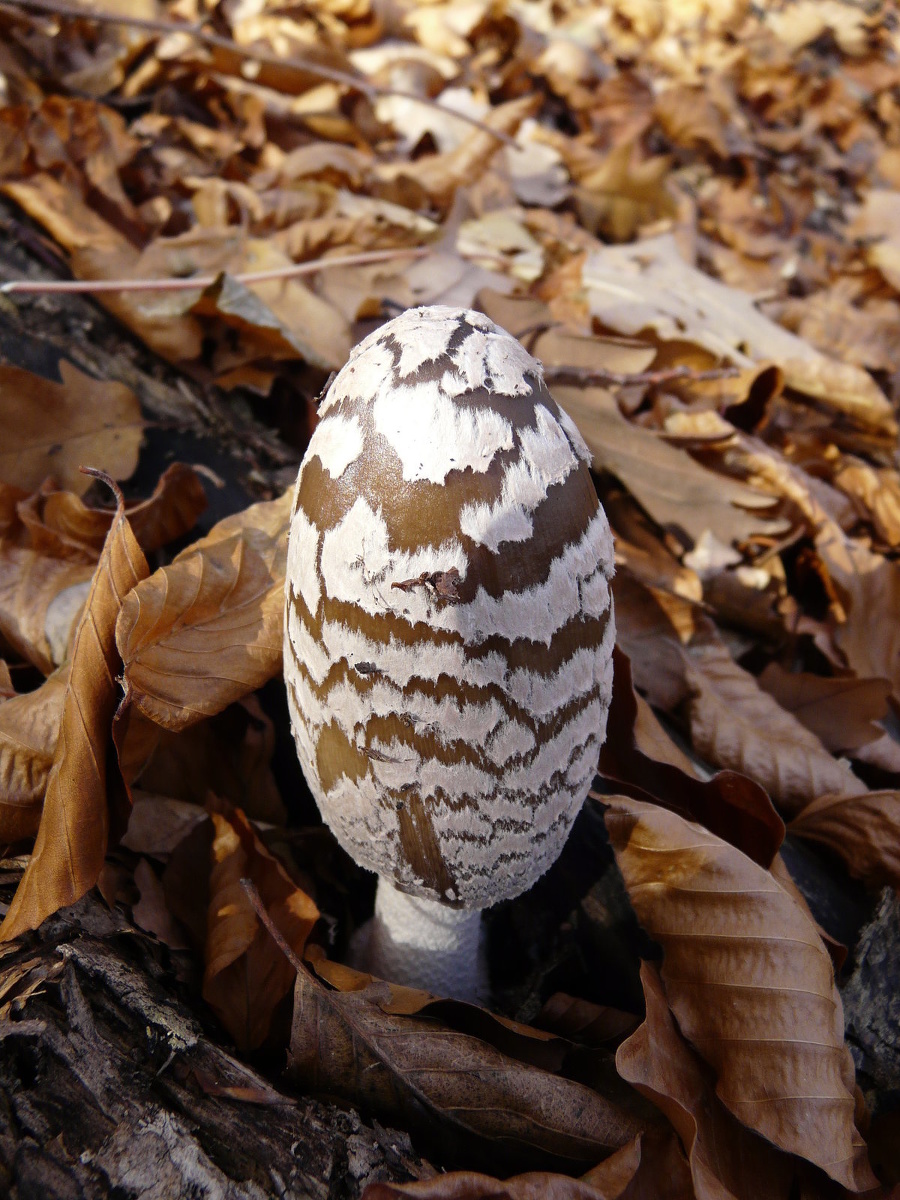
448,618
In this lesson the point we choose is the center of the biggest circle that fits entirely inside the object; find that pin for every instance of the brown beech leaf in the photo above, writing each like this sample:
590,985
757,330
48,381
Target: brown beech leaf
730,805
29,729
205,630
649,285
246,974
863,830
52,427
60,523
457,1090
646,634
29,583
842,713
735,724
749,983
728,1161
869,584
678,493
72,838
229,754
471,1185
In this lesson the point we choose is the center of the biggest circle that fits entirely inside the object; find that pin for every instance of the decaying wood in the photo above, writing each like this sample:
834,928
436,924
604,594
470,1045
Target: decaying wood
109,1085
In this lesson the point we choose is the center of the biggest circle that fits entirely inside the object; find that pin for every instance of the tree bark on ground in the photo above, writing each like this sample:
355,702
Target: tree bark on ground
109,1086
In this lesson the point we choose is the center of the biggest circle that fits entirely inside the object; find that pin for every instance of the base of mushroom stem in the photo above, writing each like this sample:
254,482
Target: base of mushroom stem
423,944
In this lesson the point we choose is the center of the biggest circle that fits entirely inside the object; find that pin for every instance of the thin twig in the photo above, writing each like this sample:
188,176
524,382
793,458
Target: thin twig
275,933
589,375
205,38
93,286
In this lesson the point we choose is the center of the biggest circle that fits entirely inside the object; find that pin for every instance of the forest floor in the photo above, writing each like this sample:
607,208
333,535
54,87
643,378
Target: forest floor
690,213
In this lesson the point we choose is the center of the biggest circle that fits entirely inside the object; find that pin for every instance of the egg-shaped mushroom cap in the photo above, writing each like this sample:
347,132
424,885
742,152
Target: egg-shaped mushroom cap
449,626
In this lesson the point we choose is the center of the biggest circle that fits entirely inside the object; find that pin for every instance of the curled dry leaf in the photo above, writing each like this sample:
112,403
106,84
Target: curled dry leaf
729,805
29,583
246,975
52,427
662,1066
471,1185
869,585
60,524
735,724
863,830
205,630
649,285
842,712
455,1089
29,730
439,175
72,838
678,493
749,983
646,634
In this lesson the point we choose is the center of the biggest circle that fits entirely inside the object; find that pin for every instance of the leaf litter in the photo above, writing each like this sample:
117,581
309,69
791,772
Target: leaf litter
694,224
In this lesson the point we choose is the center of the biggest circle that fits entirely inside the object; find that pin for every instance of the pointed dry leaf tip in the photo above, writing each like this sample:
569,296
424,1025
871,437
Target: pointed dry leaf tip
108,480
448,631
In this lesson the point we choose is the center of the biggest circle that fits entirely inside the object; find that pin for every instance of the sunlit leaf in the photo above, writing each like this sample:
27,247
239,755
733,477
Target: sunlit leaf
207,629
749,983
72,838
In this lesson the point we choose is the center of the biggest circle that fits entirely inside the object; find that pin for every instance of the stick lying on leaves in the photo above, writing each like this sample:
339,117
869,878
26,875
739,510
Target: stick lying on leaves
93,286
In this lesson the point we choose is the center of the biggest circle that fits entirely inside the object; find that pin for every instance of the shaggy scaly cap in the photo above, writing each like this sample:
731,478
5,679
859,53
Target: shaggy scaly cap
449,630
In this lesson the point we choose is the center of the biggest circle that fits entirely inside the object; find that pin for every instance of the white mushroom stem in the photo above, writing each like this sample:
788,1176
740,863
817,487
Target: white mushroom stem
425,944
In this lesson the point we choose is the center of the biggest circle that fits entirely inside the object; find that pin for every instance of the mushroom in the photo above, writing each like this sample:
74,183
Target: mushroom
448,632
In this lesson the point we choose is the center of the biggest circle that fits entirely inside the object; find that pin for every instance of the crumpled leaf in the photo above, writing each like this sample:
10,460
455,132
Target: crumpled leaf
662,1066
279,319
729,805
246,975
205,630
869,584
29,730
51,427
72,838
454,1088
29,583
863,830
59,523
471,1185
735,724
749,983
841,712
648,285
677,492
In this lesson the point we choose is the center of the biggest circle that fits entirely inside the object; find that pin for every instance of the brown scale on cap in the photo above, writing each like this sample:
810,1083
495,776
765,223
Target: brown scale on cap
449,627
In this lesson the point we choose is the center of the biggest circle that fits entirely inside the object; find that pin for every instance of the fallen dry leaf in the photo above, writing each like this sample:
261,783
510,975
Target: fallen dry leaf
29,730
451,1086
863,830
72,837
869,584
60,520
730,805
29,583
749,983
679,494
735,724
52,427
205,630
841,712
662,1066
470,1185
246,975
649,286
